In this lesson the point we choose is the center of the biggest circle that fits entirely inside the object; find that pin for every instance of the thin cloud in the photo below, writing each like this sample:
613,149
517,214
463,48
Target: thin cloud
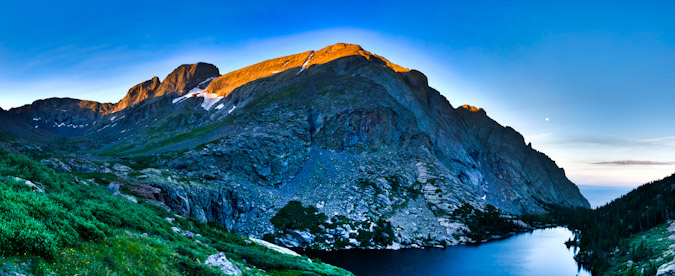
661,139
633,162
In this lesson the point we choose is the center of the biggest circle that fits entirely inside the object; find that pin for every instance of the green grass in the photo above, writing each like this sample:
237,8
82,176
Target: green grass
75,229
158,138
647,250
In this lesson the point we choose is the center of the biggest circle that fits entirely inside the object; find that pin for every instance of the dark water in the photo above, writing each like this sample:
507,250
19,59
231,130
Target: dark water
541,252
601,195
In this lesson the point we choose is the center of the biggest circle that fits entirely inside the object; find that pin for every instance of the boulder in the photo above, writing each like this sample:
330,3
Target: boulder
303,237
114,187
667,269
32,185
671,228
56,164
188,234
121,168
220,260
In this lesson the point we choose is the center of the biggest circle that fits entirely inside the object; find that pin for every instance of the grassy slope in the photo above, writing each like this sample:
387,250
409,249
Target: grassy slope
632,260
77,229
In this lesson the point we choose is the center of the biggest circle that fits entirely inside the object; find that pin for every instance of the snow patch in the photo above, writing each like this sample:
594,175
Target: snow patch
210,99
483,197
36,119
68,125
205,81
304,65
231,109
220,106
103,128
275,247
113,118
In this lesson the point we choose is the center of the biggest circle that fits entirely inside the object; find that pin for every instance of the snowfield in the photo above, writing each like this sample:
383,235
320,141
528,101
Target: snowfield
210,99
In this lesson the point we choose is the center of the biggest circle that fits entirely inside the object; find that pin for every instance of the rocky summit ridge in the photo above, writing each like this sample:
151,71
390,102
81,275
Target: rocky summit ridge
344,132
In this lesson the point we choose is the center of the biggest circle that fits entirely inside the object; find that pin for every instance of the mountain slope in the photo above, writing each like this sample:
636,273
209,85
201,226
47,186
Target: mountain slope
632,233
60,224
341,129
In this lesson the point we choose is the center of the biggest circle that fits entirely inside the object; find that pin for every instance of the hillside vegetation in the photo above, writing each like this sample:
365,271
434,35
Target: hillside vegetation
55,224
628,235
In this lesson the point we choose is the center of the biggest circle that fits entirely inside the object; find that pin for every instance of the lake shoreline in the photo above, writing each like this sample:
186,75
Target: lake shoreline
528,251
530,229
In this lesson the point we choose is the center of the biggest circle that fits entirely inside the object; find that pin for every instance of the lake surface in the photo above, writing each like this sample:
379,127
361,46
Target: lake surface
541,252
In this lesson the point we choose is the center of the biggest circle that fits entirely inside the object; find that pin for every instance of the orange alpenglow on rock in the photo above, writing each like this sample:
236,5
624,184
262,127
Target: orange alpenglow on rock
225,84
95,106
471,108
138,93
188,76
184,77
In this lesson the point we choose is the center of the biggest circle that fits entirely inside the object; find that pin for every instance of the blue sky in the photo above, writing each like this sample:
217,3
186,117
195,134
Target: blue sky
602,72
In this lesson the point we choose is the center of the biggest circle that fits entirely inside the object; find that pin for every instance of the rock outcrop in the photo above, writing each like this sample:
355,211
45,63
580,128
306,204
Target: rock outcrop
138,93
667,269
186,77
220,260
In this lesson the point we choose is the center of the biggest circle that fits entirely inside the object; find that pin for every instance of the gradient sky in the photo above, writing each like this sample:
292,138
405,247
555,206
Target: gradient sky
603,73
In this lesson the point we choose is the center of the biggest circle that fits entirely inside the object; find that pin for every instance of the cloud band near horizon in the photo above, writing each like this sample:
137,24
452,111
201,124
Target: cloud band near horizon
634,162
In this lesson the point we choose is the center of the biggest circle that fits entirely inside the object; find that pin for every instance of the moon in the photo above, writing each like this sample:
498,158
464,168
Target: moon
546,119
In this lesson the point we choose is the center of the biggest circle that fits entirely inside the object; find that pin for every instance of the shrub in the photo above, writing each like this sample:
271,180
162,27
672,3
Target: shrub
296,216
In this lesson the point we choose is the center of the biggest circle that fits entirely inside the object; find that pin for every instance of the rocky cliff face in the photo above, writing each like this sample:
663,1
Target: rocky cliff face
138,93
186,77
366,142
180,81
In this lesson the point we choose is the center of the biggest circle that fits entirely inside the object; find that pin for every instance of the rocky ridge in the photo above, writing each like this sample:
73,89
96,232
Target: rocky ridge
364,141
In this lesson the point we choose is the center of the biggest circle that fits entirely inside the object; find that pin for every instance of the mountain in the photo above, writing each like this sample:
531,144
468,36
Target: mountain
363,147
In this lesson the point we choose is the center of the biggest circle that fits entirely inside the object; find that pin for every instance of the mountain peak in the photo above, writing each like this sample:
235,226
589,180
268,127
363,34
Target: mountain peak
187,76
471,108
225,84
138,93
179,81
335,51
